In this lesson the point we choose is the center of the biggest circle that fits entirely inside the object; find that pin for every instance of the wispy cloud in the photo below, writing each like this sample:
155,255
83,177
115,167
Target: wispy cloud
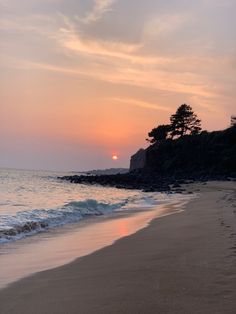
164,25
99,47
118,73
72,40
37,24
117,60
142,104
100,7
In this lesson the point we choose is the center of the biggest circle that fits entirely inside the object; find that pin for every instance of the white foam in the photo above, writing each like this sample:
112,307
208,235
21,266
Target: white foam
13,227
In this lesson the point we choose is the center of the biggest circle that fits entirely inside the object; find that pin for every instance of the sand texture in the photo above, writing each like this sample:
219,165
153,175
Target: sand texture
182,263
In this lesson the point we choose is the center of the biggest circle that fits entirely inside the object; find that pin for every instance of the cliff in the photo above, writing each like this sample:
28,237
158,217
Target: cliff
209,153
138,160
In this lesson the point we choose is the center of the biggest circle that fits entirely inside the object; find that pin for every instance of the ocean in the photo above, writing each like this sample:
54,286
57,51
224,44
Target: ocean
46,222
35,201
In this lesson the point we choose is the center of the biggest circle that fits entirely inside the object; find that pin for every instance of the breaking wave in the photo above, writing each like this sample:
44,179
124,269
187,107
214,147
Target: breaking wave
14,227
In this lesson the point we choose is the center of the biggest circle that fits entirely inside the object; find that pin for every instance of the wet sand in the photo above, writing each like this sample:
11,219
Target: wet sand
181,263
62,245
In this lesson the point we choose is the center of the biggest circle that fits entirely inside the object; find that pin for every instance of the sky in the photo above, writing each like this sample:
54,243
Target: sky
81,80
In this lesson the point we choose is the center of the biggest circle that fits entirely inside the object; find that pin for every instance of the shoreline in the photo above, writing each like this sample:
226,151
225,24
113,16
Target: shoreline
181,263
63,245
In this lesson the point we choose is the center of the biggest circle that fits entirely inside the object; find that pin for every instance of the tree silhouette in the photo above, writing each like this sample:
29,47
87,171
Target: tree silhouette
184,121
159,133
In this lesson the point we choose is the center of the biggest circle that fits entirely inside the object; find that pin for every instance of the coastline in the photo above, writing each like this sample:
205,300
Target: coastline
62,245
181,263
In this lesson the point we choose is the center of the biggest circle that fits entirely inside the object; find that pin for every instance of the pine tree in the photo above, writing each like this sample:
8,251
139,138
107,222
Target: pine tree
184,122
159,134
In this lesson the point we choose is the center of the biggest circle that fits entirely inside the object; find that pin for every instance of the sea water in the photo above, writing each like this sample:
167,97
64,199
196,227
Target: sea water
35,201
46,222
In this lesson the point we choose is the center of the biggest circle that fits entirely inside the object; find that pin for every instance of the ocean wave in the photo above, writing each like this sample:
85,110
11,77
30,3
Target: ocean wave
14,227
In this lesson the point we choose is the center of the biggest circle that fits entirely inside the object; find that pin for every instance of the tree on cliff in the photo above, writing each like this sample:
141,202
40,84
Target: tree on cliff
184,121
159,133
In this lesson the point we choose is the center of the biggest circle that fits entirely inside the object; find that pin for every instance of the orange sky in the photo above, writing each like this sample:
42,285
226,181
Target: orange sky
82,80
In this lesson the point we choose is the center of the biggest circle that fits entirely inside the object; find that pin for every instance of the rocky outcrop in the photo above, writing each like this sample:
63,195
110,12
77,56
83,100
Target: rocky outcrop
163,167
107,171
138,160
145,180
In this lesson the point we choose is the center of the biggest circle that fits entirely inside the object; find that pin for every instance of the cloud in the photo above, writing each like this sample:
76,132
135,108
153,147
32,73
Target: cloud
98,47
73,51
100,7
186,84
37,24
165,25
72,40
141,104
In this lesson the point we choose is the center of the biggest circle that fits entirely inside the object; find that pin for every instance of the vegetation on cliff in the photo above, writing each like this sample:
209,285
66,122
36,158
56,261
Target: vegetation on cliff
183,122
206,153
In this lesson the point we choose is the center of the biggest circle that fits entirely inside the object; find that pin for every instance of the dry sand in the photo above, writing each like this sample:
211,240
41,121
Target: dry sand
182,263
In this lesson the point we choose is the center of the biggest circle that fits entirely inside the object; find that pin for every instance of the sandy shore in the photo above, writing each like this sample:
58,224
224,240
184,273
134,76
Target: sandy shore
182,263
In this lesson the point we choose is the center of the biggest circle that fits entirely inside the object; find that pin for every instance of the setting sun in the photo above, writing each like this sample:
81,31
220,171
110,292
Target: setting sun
114,157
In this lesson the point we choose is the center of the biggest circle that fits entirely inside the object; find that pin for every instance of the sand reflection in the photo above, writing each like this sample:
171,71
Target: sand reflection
63,245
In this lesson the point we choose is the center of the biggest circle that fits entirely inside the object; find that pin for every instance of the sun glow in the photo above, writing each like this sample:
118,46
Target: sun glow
114,157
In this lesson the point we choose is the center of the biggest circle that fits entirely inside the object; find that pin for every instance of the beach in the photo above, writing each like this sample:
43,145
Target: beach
180,263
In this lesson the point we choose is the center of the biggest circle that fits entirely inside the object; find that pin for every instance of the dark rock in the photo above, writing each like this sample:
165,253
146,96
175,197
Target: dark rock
176,185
